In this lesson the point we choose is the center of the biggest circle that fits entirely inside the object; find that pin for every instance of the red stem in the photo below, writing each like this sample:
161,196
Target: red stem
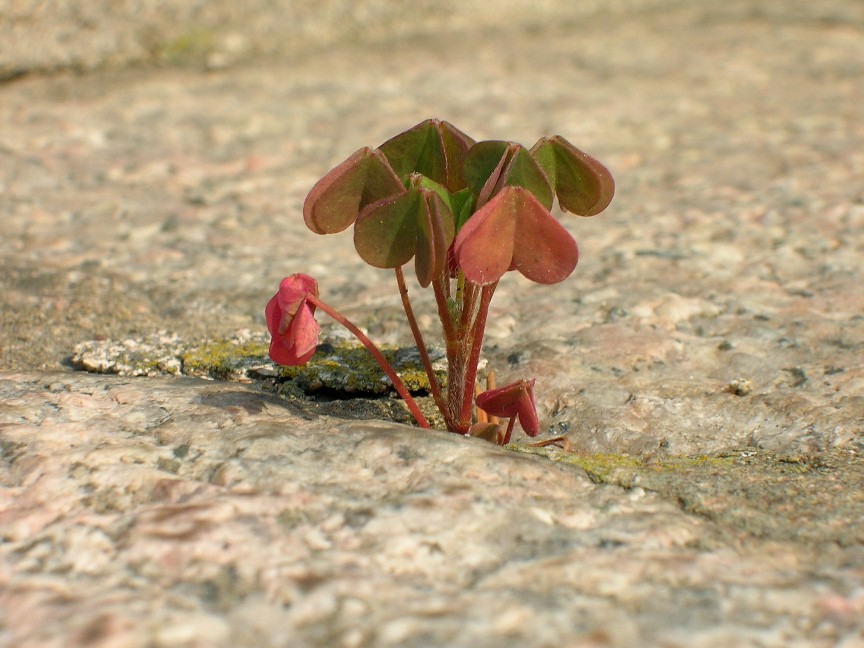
421,345
476,341
509,431
379,358
443,309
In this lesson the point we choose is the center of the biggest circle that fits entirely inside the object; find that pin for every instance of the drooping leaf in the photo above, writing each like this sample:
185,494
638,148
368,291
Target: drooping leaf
583,185
515,399
291,321
433,148
484,247
418,223
337,198
515,231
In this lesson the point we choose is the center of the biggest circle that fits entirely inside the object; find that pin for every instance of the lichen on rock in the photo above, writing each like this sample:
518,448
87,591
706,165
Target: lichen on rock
338,366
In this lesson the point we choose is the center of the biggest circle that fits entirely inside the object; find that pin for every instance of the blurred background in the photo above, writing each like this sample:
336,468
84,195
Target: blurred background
45,35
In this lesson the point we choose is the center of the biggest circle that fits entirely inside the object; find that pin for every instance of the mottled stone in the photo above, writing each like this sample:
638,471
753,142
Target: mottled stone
182,512
703,362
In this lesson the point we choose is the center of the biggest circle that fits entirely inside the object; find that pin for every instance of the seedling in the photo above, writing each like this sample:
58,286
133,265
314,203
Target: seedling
467,212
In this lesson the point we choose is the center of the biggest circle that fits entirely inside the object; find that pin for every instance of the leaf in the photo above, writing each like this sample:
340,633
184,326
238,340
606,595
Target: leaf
434,235
515,231
583,185
418,223
494,164
484,246
433,148
483,166
461,204
291,321
515,399
385,232
337,198
522,170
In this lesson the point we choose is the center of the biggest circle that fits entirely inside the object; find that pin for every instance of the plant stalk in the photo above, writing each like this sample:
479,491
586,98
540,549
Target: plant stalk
475,339
379,358
421,345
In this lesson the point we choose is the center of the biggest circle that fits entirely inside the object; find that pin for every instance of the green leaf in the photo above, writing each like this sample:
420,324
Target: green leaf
483,166
583,185
418,223
337,198
385,232
523,171
433,148
494,164
462,205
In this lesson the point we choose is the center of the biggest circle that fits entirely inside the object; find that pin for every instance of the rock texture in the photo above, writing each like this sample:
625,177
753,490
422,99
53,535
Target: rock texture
176,512
703,362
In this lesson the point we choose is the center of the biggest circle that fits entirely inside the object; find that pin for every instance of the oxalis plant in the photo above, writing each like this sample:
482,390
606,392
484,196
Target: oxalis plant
467,212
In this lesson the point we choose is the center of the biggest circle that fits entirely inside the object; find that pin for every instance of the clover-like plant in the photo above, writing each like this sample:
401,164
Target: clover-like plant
467,212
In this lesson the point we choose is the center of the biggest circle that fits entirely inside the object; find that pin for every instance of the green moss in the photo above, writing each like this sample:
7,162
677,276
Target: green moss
624,470
223,359
754,492
350,369
341,367
190,48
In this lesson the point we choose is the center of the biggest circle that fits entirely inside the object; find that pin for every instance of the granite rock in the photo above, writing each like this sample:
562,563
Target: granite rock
181,512
703,362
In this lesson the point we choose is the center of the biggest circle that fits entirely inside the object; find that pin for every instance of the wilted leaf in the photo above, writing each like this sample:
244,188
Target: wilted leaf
515,399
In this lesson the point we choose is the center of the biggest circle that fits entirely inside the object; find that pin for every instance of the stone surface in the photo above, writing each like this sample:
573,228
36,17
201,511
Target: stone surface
704,360
177,512
65,34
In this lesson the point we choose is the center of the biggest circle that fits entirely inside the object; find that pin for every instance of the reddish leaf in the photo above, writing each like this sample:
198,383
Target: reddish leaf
434,236
515,399
514,231
488,432
337,198
291,321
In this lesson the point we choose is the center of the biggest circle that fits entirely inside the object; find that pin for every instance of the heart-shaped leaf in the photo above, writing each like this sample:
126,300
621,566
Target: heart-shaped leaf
483,166
494,164
418,223
337,198
433,148
582,184
522,170
515,399
513,231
